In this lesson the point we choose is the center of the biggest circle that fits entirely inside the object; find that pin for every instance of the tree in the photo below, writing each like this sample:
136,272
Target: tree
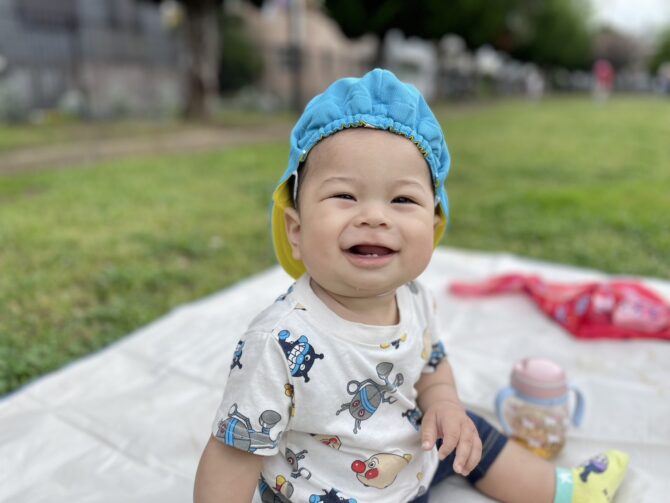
241,63
551,32
619,49
556,33
662,53
202,24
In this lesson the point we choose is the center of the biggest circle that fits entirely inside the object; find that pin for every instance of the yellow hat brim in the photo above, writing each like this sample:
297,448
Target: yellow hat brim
281,200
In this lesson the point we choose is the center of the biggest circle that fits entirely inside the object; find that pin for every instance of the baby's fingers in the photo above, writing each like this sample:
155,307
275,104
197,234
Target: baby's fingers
428,431
450,438
468,444
475,456
463,451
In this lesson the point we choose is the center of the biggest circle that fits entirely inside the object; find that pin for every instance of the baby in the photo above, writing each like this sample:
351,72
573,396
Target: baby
341,390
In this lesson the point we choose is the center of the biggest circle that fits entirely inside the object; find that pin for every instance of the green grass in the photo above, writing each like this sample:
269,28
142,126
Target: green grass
90,254
566,180
61,131
56,129
87,255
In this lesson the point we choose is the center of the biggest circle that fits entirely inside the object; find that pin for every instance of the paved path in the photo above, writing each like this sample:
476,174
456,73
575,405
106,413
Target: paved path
189,139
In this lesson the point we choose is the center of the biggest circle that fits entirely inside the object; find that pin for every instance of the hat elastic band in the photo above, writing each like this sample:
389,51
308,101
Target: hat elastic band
295,187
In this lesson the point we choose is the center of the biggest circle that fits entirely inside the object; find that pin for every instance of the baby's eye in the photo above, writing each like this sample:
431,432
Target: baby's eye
404,200
344,196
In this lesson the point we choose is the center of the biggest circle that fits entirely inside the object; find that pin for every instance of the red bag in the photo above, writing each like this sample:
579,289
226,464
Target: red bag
615,310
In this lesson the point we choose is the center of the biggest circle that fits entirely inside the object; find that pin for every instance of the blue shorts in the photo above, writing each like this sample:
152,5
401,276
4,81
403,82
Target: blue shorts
492,443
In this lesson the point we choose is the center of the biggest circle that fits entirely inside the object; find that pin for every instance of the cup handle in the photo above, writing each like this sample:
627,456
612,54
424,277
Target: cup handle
503,395
578,414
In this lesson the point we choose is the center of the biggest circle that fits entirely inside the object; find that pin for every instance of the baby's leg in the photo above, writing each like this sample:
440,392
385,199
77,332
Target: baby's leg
519,476
511,474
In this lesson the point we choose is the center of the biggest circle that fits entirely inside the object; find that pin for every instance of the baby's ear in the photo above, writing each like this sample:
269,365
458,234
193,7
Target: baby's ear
436,220
292,222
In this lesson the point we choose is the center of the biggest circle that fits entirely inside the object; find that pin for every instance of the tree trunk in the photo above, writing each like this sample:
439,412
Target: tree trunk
202,37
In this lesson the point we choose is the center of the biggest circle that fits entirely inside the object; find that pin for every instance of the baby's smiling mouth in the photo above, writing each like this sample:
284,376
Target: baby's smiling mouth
370,250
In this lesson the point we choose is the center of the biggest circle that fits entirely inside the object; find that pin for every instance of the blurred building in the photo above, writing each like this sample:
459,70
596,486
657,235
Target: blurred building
413,60
95,57
304,39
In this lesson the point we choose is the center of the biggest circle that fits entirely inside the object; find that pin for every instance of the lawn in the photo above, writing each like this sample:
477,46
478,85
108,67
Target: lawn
89,254
57,129
566,180
61,130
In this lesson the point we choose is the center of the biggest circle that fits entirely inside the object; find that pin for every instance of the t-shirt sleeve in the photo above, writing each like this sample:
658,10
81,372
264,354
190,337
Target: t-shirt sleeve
257,399
434,350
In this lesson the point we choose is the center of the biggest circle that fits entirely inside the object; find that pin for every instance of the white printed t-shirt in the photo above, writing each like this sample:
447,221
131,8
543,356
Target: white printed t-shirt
330,403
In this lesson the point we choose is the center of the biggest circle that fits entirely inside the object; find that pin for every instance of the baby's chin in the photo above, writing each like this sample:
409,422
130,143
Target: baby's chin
363,290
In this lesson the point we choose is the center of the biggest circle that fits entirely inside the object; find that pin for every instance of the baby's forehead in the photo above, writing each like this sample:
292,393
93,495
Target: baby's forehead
366,136
366,144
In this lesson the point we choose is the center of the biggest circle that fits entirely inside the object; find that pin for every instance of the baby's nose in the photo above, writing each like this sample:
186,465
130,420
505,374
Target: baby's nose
373,215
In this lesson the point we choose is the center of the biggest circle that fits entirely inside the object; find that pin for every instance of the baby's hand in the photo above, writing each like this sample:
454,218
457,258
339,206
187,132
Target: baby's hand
447,420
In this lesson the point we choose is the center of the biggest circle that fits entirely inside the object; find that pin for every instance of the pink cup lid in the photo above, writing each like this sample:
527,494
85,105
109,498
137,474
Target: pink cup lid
539,378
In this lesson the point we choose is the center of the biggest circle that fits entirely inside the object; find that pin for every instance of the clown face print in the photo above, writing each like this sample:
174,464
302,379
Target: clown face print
380,470
332,441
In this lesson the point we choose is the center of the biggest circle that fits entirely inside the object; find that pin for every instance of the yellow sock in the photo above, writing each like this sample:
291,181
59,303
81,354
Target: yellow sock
595,481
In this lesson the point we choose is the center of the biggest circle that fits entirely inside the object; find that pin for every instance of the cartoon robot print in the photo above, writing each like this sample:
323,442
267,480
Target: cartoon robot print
293,458
368,395
380,470
331,496
238,432
237,355
300,354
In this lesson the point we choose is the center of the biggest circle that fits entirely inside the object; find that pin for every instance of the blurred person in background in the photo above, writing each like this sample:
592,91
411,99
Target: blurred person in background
603,80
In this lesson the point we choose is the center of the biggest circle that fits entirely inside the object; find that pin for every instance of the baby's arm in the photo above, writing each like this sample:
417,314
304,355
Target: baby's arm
444,416
226,474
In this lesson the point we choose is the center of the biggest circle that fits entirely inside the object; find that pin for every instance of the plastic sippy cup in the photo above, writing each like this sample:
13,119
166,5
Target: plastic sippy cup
534,410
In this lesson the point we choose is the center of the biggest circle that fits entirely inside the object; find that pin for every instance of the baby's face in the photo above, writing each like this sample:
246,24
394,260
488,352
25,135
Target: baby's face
366,216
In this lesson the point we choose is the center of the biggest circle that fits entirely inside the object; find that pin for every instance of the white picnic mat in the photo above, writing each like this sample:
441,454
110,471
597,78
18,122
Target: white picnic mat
128,424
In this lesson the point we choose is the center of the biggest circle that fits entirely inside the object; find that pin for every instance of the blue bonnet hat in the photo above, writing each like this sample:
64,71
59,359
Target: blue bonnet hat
377,100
